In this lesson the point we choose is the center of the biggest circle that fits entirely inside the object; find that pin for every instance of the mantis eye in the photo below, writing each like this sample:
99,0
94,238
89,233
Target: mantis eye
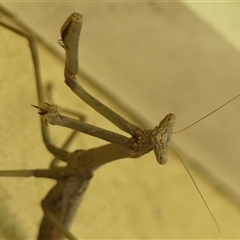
162,156
170,120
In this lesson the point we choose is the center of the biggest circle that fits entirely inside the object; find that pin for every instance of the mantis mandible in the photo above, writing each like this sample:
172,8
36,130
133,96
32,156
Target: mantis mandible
73,180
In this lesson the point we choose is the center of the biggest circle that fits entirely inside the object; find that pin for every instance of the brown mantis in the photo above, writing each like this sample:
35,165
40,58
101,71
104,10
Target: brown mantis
82,163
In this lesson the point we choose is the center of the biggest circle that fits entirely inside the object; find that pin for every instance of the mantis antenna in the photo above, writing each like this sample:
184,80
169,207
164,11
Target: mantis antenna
232,99
204,201
226,103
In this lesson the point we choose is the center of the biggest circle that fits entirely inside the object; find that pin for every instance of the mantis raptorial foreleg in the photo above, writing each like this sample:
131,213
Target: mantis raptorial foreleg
141,141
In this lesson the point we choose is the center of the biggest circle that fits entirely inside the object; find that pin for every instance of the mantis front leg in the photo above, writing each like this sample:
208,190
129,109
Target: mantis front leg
141,141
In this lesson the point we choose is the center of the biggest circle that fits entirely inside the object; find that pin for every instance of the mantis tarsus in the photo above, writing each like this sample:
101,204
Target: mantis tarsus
75,177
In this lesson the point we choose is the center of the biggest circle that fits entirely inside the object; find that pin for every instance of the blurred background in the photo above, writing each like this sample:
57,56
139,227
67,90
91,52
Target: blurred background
149,59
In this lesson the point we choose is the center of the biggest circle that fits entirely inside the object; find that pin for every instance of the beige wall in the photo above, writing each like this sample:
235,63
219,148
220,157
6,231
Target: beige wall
157,58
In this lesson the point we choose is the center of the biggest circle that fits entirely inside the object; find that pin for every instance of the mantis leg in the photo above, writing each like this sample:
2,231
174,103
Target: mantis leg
70,33
59,153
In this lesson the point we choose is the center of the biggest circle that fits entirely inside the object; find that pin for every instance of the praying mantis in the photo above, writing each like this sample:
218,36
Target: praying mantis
141,141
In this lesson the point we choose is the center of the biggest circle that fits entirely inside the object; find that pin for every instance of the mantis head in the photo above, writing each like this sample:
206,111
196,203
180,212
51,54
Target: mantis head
161,137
